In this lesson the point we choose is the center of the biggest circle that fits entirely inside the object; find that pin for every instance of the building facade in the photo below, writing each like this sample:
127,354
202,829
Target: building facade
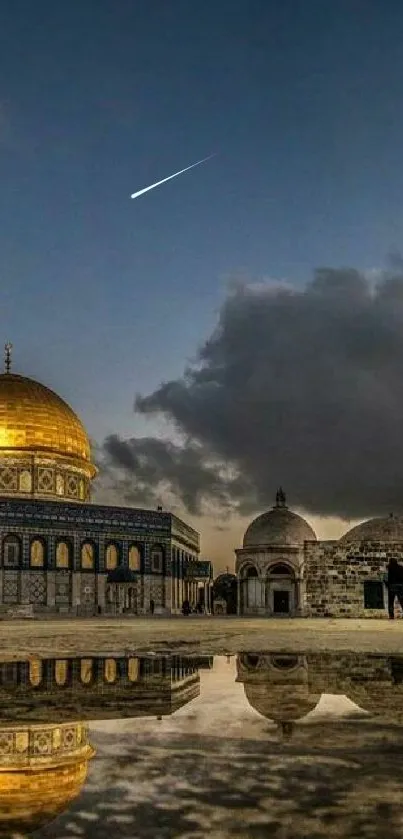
61,553
282,569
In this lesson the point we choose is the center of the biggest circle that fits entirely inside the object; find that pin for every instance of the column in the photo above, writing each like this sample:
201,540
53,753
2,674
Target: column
51,590
76,590
101,590
238,596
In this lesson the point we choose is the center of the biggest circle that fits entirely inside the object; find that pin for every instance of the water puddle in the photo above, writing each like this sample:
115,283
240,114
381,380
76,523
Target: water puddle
254,745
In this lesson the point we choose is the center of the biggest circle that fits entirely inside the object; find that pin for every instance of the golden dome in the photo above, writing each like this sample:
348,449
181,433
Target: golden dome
34,418
41,772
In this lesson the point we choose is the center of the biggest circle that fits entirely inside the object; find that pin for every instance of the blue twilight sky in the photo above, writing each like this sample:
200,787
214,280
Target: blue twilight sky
300,99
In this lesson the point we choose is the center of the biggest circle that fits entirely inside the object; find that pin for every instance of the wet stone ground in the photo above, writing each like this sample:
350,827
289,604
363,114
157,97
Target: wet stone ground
194,634
255,744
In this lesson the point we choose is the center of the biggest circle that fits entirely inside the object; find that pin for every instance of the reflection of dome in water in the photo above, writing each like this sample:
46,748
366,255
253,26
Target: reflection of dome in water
281,703
279,526
385,529
276,685
42,769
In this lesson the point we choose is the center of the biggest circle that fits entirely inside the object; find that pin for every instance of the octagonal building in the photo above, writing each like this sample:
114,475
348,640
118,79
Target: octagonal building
61,553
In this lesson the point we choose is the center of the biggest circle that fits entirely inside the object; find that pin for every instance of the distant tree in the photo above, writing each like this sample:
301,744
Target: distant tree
224,586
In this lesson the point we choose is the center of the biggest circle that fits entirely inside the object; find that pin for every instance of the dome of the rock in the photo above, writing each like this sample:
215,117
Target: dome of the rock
34,418
44,448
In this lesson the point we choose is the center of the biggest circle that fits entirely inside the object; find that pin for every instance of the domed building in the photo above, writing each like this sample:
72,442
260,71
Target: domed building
282,569
58,551
269,565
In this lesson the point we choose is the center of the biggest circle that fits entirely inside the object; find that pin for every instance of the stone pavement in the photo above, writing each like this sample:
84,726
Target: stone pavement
194,634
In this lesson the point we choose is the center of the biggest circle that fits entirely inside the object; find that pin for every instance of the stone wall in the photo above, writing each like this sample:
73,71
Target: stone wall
335,575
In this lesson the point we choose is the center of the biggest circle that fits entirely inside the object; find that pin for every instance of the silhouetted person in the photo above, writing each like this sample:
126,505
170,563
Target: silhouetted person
152,606
186,607
395,586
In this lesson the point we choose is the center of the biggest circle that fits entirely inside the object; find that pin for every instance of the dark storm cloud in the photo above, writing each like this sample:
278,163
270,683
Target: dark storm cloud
159,466
302,388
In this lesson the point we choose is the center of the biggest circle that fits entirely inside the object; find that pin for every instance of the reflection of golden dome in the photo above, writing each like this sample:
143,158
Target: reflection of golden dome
42,769
34,418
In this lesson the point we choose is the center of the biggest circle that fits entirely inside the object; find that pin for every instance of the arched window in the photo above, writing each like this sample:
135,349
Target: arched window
110,671
281,569
284,662
157,560
62,555
250,660
134,558
86,670
87,556
35,672
37,554
11,551
133,669
111,557
61,671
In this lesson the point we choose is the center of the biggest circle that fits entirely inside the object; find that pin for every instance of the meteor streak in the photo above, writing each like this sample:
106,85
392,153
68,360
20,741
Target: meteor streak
175,175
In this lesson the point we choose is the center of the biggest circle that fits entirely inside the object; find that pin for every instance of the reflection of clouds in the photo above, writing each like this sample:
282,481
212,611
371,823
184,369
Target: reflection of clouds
198,786
216,768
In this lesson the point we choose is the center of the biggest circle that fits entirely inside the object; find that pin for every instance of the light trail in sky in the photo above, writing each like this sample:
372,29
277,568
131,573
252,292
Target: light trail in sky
175,175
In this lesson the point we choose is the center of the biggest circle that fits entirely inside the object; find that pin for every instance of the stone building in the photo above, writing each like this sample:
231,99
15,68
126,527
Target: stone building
282,569
58,551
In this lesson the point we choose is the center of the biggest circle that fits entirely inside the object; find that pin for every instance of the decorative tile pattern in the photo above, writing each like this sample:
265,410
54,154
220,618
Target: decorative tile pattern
41,743
69,738
45,480
87,590
6,742
72,486
8,479
10,587
63,588
37,589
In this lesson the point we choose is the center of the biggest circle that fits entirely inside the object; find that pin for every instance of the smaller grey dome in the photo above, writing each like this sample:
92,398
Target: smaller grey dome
382,529
279,526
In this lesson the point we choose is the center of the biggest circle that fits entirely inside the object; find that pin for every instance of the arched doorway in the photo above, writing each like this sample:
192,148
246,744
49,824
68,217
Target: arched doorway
252,591
122,591
281,595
